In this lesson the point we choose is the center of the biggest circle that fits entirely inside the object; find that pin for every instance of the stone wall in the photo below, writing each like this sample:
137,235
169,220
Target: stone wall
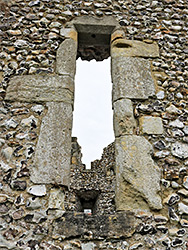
137,193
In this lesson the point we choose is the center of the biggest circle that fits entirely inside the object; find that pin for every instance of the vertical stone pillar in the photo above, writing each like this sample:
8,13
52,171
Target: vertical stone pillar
137,176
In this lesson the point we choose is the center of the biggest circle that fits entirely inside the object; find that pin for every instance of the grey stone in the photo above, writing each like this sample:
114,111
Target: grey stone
88,246
131,78
176,124
37,190
66,57
37,88
185,130
27,122
7,153
180,150
56,199
123,118
182,208
151,125
53,151
130,48
135,167
185,182
37,109
11,123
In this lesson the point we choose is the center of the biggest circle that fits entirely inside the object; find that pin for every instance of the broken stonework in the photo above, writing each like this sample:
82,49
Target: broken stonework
129,48
135,168
123,118
33,88
131,78
53,151
66,58
151,125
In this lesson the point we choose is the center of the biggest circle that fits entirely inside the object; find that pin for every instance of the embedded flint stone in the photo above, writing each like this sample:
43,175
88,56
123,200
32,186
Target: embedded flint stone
37,88
129,48
137,176
66,57
131,77
53,150
123,118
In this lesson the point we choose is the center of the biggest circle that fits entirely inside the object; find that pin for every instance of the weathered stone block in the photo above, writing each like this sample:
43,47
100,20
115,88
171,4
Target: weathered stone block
34,88
53,151
66,58
129,48
151,125
101,226
131,78
137,177
123,118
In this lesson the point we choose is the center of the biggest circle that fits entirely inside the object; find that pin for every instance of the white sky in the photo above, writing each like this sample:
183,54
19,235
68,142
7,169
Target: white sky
92,117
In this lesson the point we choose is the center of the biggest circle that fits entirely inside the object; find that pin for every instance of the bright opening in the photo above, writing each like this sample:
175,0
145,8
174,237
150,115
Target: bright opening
93,117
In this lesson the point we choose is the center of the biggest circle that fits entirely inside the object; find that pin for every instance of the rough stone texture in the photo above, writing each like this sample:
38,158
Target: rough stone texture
151,125
180,150
131,78
123,118
53,151
135,166
39,88
128,48
105,226
66,58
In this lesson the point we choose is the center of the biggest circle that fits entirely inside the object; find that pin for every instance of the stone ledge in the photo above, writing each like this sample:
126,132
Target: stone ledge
36,88
71,225
128,48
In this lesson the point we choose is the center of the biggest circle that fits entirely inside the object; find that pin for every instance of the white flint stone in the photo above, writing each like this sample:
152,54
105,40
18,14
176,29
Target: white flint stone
185,130
11,123
88,246
180,149
176,124
173,110
185,182
160,95
28,121
37,190
182,208
5,167
37,108
2,141
7,153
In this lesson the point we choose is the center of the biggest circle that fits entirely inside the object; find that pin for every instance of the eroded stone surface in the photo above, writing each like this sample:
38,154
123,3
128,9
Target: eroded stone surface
46,88
151,125
53,151
131,78
129,48
135,167
66,58
123,118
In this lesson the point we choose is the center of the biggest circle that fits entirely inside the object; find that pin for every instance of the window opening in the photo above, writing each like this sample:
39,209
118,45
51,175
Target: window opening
88,200
93,116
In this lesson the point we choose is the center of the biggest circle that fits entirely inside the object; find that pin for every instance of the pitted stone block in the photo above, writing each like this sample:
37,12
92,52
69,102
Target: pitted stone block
66,57
151,125
129,48
123,118
53,151
137,176
35,88
132,78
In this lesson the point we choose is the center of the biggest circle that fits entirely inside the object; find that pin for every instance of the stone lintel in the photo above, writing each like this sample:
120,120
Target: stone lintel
132,79
130,48
137,176
53,151
102,226
88,24
37,88
123,118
